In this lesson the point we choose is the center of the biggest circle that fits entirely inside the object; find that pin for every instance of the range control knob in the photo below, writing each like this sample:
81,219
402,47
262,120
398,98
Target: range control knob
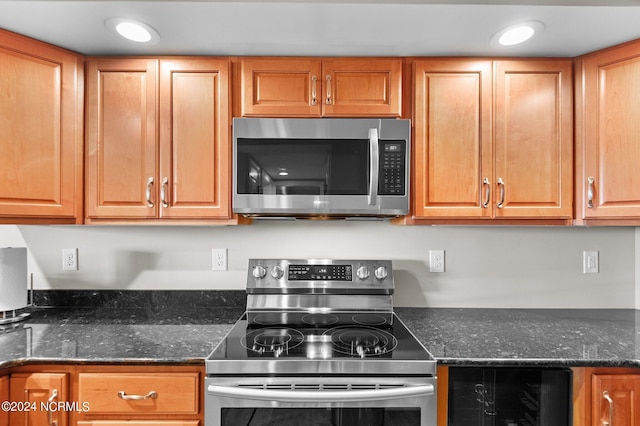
362,272
259,272
381,272
277,272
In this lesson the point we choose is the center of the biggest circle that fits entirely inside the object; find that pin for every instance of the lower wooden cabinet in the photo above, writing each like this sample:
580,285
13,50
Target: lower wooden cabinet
140,423
103,395
606,396
4,396
39,395
140,393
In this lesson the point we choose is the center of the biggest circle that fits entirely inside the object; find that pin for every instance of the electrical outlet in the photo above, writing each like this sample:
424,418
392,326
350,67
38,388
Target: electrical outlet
436,260
70,259
219,259
590,263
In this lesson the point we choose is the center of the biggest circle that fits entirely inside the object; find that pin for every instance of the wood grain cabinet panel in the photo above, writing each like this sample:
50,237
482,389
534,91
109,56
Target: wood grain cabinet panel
609,133
139,423
452,138
158,139
311,87
39,389
140,393
4,396
534,139
493,140
41,132
615,399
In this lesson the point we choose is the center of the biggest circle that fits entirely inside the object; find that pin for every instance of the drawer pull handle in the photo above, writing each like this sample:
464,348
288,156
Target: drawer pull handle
606,396
150,395
50,421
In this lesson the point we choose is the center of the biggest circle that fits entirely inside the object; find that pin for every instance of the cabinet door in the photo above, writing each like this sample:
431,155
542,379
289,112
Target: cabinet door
362,87
41,131
194,138
534,139
43,391
121,179
4,396
611,132
281,87
139,423
452,139
615,400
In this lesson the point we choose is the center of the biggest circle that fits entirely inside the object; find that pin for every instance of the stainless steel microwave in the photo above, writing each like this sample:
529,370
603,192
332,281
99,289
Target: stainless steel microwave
321,167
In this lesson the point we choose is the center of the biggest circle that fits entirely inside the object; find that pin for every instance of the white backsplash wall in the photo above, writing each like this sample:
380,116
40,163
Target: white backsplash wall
486,266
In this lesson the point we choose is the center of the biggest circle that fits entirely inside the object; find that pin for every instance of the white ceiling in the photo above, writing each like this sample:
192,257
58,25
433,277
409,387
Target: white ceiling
328,28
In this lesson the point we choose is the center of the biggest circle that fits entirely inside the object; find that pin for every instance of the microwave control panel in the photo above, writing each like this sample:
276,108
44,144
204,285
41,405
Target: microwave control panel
392,167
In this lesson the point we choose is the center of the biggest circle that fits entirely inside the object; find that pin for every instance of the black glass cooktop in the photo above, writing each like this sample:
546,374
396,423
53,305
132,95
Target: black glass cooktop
338,343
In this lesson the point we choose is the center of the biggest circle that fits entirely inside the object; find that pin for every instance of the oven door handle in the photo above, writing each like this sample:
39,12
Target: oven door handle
320,396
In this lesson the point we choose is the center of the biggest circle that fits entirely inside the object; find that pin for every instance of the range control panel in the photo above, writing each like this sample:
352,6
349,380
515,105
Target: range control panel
319,275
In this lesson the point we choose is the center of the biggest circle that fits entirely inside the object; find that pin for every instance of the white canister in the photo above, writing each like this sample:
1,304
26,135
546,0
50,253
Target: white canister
13,278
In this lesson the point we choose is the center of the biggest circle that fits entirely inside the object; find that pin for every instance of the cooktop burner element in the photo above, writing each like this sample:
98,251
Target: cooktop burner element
275,341
361,341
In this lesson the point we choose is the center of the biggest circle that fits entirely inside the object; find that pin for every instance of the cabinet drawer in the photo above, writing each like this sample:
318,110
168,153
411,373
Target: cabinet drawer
141,423
139,393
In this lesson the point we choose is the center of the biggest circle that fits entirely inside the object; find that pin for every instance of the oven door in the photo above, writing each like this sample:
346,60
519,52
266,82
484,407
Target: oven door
320,401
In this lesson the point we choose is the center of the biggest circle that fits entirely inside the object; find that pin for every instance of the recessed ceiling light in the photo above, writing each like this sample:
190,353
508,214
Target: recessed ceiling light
133,30
516,34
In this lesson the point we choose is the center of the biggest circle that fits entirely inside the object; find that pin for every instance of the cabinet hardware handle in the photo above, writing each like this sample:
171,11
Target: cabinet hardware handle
487,195
150,395
590,180
54,395
606,396
163,192
148,193
500,203
314,92
329,100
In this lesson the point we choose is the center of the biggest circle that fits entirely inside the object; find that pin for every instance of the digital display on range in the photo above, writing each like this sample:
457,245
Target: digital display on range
320,273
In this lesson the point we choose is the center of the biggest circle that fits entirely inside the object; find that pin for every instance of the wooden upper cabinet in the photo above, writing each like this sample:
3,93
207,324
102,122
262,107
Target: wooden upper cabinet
493,139
609,134
39,390
194,139
452,138
534,139
134,170
309,87
121,135
41,132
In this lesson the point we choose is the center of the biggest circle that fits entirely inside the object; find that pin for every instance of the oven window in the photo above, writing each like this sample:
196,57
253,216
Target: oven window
321,416
302,166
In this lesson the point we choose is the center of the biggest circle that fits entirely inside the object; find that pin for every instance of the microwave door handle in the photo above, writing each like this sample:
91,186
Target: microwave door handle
320,396
375,164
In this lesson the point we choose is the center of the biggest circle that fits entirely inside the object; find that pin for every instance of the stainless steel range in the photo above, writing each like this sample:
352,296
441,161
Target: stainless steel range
319,344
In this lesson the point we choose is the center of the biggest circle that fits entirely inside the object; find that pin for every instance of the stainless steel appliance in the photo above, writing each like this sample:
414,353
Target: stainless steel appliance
319,344
331,167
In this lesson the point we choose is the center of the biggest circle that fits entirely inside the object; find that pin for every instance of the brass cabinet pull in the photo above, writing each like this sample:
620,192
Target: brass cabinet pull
314,92
590,180
487,194
54,395
163,192
148,193
606,396
150,395
500,203
329,100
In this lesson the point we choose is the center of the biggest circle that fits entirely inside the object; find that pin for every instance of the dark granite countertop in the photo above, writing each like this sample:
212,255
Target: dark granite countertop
551,337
